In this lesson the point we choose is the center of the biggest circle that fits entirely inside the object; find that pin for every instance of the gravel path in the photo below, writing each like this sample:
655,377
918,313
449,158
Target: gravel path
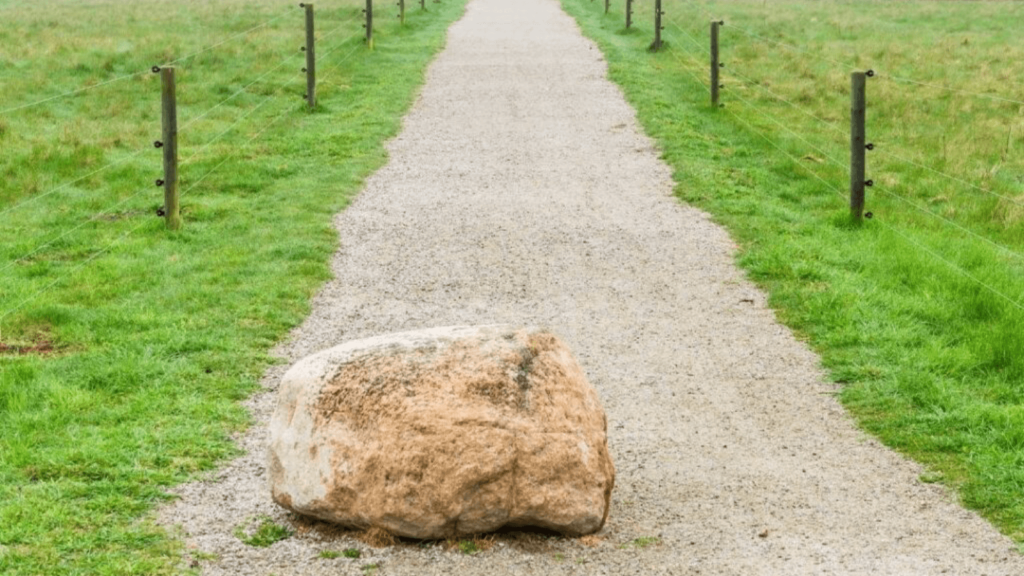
522,191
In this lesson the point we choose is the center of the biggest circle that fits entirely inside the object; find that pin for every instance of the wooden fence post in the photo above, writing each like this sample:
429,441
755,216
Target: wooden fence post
169,106
401,12
607,5
369,24
310,57
629,13
657,25
715,64
858,147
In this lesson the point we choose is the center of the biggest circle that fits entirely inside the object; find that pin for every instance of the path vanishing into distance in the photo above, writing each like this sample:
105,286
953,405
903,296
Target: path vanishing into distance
521,190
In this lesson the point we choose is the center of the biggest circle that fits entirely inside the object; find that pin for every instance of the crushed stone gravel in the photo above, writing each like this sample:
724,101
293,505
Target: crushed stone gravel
521,190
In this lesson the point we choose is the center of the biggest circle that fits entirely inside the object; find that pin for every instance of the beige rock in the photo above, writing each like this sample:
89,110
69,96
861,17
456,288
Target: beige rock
443,432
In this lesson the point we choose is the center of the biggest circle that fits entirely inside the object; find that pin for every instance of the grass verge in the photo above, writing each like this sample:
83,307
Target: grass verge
916,313
152,337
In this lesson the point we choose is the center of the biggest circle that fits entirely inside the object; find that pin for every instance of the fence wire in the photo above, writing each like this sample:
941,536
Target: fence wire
67,273
697,69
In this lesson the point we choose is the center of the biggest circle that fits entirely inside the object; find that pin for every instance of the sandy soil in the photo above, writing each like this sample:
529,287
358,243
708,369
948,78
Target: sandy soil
522,191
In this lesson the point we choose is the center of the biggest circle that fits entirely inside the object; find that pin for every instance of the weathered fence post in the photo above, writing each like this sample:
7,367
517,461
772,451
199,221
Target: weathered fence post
607,5
369,24
629,13
657,25
423,4
858,147
401,12
715,64
170,145
310,57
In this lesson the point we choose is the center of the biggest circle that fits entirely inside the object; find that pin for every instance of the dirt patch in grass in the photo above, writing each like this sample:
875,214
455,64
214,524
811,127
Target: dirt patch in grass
34,340
41,348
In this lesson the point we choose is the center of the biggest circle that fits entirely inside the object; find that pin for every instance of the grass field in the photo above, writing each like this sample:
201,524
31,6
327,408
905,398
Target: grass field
125,347
919,312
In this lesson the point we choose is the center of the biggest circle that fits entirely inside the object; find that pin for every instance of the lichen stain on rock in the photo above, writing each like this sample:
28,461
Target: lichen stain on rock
366,386
276,471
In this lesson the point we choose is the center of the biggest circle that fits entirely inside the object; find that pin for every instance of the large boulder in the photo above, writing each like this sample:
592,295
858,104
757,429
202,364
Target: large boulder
443,432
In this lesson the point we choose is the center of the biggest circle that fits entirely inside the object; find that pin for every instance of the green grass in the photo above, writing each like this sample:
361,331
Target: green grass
907,309
642,542
158,335
330,554
468,547
265,534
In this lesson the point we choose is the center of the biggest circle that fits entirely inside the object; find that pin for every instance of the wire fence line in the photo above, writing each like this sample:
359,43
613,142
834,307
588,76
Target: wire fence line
795,160
948,176
934,214
788,46
337,46
693,74
71,272
876,73
780,124
265,101
956,268
261,128
121,237
110,210
793,133
73,92
229,157
66,185
774,144
188,124
228,39
235,94
142,72
993,97
880,73
755,84
690,37
268,99
239,120
260,132
206,145
290,55
689,50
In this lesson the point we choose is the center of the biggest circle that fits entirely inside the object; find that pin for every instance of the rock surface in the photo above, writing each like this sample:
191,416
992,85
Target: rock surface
443,432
